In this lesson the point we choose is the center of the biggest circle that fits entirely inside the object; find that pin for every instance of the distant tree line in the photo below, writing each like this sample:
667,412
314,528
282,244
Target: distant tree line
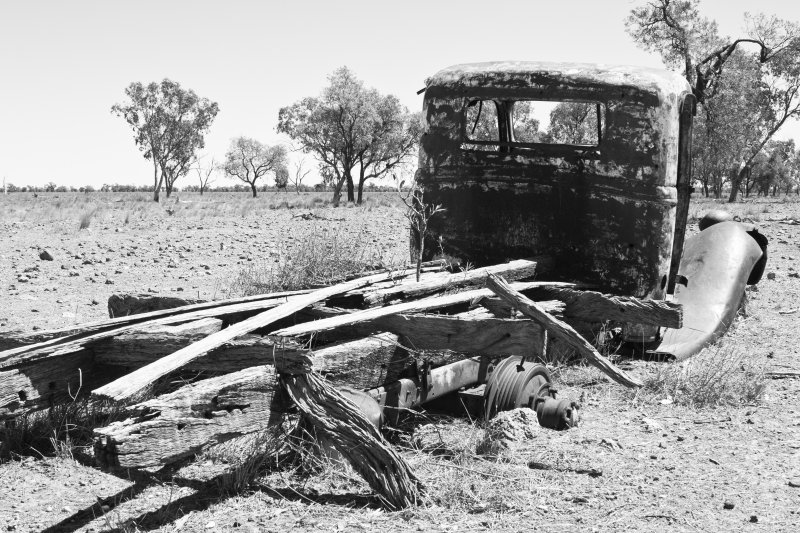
236,187
355,134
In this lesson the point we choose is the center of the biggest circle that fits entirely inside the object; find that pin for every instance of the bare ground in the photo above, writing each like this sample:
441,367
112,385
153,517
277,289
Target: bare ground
637,463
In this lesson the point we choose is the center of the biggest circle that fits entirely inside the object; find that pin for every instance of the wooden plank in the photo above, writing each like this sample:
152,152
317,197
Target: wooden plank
139,380
182,423
597,307
416,306
559,330
519,269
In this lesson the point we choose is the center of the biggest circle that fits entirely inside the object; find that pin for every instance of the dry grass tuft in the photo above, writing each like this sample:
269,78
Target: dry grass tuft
63,431
719,375
86,218
320,257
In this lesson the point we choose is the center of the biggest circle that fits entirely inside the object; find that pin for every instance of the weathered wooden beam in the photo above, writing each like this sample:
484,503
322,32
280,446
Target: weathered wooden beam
44,383
560,330
433,283
26,354
139,380
136,304
467,334
595,306
180,424
416,306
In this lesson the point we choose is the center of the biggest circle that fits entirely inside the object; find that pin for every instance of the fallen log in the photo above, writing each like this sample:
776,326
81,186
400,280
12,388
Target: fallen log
519,269
560,330
182,423
139,380
417,306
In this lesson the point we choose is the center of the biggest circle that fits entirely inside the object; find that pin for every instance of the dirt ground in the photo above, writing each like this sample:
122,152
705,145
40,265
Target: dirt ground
636,463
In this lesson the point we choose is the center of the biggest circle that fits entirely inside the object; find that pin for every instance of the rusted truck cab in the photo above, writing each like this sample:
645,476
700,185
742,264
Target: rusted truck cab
607,208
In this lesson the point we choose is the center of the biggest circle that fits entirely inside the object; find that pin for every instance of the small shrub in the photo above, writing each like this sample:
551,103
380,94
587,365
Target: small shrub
719,375
86,218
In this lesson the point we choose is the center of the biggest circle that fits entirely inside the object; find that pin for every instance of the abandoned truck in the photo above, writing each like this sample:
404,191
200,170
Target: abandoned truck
603,198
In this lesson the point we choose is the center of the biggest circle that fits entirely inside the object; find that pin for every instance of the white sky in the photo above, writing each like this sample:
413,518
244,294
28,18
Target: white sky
63,64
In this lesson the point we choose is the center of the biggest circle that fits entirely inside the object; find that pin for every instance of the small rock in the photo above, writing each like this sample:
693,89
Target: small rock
794,483
109,281
49,508
794,274
506,430
771,275
211,525
95,302
753,519
44,255
728,505
66,509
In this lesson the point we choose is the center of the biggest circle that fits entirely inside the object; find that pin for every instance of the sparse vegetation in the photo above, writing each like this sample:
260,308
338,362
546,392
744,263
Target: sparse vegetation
319,257
720,375
86,218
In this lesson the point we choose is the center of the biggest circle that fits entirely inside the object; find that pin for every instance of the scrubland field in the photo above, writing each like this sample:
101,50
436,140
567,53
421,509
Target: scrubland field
710,446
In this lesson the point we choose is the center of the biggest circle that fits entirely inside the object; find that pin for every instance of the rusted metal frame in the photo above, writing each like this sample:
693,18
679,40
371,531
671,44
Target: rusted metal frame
683,186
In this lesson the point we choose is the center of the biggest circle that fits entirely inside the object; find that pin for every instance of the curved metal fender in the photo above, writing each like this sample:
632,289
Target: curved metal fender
716,265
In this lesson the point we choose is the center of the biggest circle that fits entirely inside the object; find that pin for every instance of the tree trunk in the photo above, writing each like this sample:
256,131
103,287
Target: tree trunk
253,188
351,197
156,181
736,183
360,191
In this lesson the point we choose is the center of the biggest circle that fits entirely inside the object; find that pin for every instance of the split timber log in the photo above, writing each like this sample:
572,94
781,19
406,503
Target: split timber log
464,334
416,306
560,330
44,383
519,269
594,306
139,380
49,348
177,425
341,423
136,304
143,346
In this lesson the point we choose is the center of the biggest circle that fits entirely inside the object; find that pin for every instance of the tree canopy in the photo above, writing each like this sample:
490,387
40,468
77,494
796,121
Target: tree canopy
249,160
747,87
169,125
351,129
